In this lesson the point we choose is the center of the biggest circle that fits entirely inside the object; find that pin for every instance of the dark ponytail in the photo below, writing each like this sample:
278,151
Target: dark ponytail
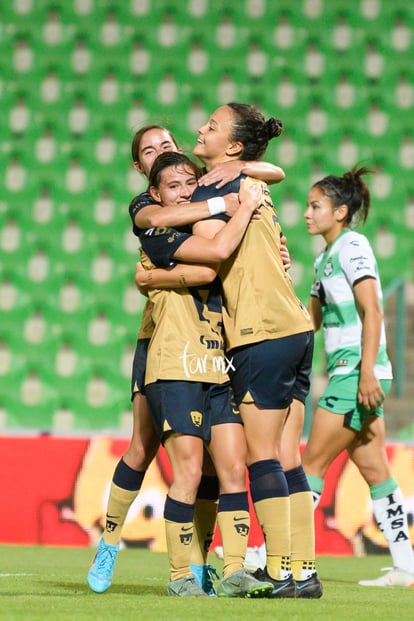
350,190
251,129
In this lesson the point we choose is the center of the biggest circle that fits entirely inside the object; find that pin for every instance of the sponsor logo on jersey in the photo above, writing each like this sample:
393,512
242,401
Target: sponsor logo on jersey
196,365
342,362
246,331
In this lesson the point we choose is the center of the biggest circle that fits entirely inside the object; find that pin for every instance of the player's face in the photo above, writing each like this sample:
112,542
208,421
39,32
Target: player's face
176,186
214,137
153,142
321,218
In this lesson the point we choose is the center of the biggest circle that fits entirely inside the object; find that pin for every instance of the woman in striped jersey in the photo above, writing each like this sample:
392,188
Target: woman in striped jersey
346,300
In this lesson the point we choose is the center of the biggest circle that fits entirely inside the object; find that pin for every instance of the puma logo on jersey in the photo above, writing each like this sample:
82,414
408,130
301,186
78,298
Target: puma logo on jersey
197,418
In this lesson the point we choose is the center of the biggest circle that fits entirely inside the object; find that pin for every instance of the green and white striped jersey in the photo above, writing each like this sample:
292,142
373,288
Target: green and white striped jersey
337,269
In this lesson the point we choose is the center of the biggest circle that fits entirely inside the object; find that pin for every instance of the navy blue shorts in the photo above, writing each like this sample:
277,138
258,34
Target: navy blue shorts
190,408
138,367
272,373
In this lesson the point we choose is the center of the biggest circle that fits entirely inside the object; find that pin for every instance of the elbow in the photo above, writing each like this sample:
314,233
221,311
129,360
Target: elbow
372,317
282,174
374,314
209,274
380,314
155,219
221,254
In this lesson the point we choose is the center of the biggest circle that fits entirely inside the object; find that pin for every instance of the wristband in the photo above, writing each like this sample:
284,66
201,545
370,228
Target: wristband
216,205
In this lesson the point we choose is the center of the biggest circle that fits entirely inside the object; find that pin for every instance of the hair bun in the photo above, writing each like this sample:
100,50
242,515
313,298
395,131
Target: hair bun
273,128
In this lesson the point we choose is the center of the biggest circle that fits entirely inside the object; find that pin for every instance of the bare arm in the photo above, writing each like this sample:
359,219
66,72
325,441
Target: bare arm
315,311
223,240
200,249
370,393
180,215
178,277
228,171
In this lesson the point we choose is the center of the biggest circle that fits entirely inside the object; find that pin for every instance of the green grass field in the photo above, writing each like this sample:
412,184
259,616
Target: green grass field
38,583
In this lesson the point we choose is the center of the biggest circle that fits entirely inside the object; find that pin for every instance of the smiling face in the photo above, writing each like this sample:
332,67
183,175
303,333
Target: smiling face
153,142
176,186
214,143
321,217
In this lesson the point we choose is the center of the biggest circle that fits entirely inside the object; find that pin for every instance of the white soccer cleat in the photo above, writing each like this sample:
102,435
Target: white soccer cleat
393,578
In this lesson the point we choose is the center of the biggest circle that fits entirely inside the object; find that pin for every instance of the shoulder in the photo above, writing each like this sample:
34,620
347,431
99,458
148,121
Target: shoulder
353,239
142,200
354,245
204,192
356,256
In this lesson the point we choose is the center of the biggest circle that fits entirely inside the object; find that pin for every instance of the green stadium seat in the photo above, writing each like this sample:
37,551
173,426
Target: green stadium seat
15,305
64,212
12,355
32,404
100,402
392,245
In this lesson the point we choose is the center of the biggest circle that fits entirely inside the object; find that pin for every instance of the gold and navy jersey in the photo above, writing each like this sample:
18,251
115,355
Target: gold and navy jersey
139,202
259,302
147,325
187,342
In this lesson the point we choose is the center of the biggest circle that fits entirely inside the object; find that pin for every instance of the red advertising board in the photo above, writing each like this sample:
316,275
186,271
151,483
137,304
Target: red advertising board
54,492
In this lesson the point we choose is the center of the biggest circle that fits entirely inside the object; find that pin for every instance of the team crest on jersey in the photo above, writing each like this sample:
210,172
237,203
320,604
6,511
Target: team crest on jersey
197,418
328,269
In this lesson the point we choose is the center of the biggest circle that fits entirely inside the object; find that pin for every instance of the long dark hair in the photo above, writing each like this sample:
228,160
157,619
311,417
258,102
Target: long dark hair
351,190
251,129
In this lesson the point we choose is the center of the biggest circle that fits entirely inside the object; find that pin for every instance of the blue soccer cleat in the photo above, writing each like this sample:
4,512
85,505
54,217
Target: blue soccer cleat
203,575
102,567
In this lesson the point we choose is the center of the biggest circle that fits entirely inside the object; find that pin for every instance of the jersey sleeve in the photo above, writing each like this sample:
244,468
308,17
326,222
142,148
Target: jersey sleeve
357,260
160,244
138,203
315,287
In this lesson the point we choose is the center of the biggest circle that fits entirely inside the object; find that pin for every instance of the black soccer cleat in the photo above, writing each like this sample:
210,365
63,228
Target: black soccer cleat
311,588
281,588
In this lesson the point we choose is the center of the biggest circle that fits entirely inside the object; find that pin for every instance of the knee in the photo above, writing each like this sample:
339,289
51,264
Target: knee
233,479
290,459
186,468
313,463
191,471
140,454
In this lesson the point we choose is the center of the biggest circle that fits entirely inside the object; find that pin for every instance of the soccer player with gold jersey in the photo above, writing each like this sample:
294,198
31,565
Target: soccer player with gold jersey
147,144
269,337
188,388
